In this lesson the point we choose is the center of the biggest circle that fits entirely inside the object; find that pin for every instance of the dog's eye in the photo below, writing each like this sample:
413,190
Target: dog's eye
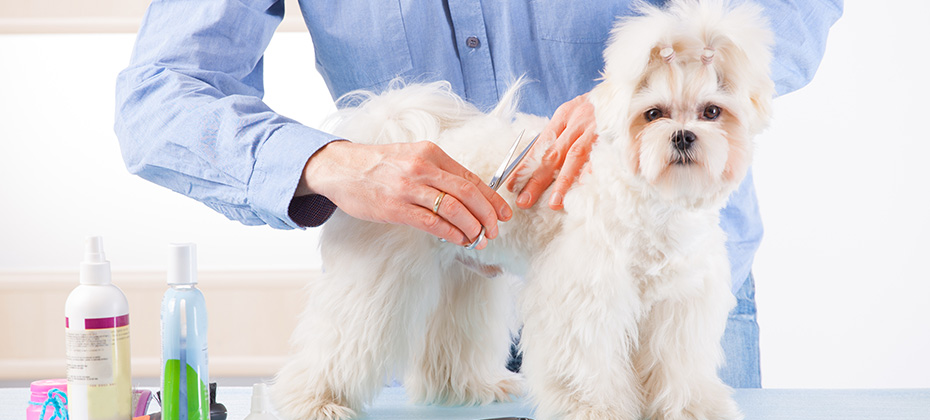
711,112
653,114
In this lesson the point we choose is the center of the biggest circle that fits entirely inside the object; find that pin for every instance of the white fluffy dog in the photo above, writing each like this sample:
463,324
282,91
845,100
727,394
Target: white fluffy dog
625,293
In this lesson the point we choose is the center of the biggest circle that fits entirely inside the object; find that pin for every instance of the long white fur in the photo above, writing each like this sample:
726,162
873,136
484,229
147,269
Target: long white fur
626,291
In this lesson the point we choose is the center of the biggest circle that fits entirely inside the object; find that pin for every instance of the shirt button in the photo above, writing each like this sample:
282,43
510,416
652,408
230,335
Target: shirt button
472,42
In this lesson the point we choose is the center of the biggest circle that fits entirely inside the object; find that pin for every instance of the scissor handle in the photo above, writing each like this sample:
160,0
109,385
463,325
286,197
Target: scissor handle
472,245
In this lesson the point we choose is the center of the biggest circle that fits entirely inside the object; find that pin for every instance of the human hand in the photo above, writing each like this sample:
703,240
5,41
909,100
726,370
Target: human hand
568,138
400,183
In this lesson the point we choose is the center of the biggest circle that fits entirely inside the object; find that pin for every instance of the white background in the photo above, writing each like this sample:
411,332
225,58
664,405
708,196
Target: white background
843,289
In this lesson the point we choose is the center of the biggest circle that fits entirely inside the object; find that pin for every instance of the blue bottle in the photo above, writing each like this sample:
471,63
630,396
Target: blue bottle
185,391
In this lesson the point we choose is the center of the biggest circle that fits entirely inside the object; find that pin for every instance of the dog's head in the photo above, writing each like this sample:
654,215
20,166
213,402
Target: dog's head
684,91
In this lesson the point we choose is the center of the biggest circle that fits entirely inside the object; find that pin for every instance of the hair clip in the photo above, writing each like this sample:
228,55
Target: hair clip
707,56
667,54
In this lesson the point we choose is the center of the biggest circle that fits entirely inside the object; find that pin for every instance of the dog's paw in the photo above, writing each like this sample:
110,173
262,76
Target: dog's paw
591,413
711,407
722,409
476,392
567,405
467,391
315,409
508,388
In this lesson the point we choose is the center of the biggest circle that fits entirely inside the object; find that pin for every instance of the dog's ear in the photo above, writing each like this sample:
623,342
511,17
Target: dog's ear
634,44
738,42
630,52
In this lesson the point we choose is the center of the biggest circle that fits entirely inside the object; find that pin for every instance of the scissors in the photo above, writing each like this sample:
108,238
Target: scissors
503,172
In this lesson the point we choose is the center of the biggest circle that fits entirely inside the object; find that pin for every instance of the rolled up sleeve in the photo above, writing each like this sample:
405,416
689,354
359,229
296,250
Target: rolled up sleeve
801,28
190,116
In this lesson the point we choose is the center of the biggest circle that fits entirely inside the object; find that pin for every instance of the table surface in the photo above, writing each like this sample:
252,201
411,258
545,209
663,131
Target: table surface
756,404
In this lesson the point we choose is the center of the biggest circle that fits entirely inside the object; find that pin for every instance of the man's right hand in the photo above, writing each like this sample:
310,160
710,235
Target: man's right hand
399,183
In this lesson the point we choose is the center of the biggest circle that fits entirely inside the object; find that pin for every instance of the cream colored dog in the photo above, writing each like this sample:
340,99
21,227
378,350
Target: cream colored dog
625,293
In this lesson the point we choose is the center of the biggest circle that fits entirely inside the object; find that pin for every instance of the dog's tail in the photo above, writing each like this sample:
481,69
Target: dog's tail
510,101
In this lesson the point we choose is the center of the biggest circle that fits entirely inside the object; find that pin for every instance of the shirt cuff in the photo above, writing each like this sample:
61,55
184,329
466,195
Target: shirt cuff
311,210
279,165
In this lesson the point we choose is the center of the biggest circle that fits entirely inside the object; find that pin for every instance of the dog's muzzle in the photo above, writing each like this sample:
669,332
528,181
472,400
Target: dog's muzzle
683,139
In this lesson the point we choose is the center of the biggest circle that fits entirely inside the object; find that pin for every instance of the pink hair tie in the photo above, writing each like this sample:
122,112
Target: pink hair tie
667,54
707,56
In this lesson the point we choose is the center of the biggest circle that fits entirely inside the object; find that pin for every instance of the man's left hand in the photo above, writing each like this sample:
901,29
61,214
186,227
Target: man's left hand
568,138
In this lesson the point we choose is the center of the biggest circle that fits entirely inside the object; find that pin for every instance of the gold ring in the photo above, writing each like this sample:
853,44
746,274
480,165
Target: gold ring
438,201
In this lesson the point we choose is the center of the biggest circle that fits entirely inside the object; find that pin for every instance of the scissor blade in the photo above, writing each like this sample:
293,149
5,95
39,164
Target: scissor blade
499,173
516,162
513,148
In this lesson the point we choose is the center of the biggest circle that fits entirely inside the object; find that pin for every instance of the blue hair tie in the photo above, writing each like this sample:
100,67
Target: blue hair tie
58,400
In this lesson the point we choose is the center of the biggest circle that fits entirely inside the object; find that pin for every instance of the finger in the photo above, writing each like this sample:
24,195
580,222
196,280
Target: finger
465,188
545,173
436,169
502,210
424,219
456,213
569,121
574,162
469,206
560,117
547,137
483,202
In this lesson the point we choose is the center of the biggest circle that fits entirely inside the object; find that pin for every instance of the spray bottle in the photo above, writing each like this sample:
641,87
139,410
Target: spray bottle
97,342
184,380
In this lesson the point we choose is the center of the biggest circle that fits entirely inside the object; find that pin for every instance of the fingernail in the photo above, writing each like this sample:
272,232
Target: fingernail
556,199
506,212
523,199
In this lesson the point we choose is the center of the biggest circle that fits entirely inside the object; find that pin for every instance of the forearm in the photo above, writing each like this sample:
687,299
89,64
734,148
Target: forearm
189,114
230,152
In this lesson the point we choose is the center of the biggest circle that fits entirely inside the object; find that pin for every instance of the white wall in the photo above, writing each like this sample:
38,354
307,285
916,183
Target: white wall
842,286
842,279
63,177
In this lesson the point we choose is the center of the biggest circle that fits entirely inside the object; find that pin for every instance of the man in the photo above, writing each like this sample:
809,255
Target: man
189,114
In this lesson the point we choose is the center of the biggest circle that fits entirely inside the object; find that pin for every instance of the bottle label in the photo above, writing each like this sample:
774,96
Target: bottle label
98,367
185,395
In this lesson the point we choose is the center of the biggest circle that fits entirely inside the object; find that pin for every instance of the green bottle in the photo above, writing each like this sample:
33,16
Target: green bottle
185,391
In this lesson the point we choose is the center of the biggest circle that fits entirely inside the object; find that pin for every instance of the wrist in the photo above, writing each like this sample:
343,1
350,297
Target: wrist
318,165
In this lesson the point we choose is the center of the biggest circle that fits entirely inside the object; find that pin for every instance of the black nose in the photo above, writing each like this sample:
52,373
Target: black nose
683,139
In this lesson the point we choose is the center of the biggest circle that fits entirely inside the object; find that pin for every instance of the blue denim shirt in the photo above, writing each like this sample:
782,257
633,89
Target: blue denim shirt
189,114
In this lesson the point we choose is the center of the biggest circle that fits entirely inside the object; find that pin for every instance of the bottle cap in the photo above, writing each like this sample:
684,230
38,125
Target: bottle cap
95,269
182,264
39,389
258,398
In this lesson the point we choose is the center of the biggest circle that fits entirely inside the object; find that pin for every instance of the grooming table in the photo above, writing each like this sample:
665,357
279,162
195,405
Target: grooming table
756,404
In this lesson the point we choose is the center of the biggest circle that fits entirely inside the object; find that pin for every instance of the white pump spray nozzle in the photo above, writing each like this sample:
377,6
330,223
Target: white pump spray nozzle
93,251
95,269
260,408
